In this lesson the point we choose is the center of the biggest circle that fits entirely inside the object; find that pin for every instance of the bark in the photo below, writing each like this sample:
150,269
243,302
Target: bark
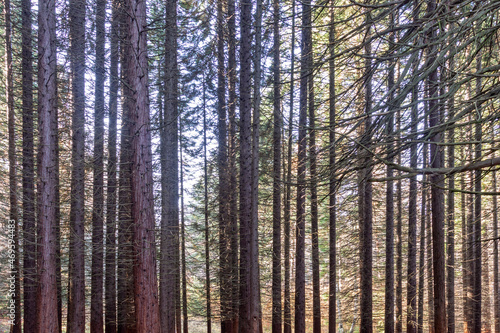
13,224
411,319
249,316
305,47
183,243
496,284
365,196
224,223
389,210
399,244
477,294
125,283
147,312
76,300
96,305
287,316
277,181
28,174
254,233
232,169
110,319
332,295
437,195
450,214
169,262
205,211
47,317
421,265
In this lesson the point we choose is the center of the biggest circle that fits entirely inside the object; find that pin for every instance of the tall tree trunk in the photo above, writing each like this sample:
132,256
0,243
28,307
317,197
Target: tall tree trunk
110,263
76,300
224,223
169,262
437,195
205,213
232,171
183,239
496,284
476,302
249,315
125,282
254,233
47,316
332,287
430,280
411,319
399,233
96,305
365,194
389,210
29,235
277,181
147,312
305,47
287,315
421,264
13,225
450,213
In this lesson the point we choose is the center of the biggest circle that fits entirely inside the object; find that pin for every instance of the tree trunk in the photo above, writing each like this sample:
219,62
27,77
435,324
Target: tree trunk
496,284
399,244
365,195
332,295
13,225
205,213
76,300
411,319
47,317
96,305
29,235
147,312
249,315
305,47
421,265
169,262
183,240
277,181
110,264
125,282
224,223
232,172
437,195
476,302
389,210
287,315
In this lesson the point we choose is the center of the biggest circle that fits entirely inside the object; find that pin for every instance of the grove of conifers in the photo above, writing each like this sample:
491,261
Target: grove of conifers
249,166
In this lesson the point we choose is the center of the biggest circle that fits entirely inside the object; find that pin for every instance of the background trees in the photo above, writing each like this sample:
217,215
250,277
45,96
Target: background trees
381,85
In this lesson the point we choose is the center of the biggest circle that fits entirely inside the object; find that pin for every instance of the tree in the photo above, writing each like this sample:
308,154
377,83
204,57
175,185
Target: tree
110,320
437,183
277,120
96,305
365,192
332,297
28,175
147,312
169,263
47,320
13,206
305,71
76,299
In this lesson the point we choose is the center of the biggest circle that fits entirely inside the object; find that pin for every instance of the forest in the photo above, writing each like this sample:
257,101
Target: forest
176,166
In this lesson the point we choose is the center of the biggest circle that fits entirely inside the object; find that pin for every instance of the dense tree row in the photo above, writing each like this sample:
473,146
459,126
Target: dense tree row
262,165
